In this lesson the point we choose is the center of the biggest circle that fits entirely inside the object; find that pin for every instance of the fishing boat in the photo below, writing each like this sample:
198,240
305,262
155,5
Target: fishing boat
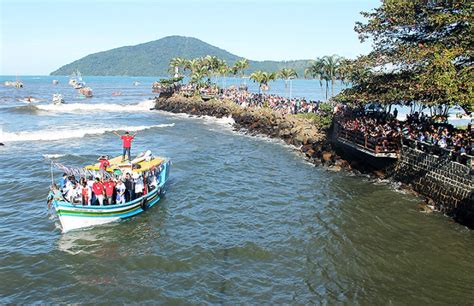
76,81
58,99
151,169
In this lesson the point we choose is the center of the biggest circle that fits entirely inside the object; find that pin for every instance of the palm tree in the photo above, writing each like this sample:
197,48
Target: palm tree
175,64
331,66
223,71
287,74
316,70
241,66
263,77
198,74
193,64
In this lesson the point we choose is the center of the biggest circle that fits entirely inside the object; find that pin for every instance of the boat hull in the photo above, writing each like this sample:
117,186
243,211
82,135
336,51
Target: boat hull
78,216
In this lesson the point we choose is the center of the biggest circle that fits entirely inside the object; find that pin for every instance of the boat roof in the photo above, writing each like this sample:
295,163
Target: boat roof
117,163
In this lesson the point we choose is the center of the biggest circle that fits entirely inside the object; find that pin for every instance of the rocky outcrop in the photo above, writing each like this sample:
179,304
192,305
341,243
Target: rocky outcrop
302,133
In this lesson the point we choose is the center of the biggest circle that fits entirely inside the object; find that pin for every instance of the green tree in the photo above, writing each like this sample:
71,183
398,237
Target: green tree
263,78
240,66
422,52
287,74
316,70
198,74
175,64
330,65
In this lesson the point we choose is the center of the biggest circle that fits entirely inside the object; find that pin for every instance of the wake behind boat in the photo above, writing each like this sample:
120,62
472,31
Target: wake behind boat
140,185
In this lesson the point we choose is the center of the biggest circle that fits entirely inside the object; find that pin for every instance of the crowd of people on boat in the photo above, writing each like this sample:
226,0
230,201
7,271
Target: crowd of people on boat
104,189
385,128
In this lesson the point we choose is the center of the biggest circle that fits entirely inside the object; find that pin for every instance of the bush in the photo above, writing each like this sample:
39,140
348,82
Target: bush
323,118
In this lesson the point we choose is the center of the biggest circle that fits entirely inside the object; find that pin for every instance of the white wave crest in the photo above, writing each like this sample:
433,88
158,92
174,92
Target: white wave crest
53,155
87,107
72,133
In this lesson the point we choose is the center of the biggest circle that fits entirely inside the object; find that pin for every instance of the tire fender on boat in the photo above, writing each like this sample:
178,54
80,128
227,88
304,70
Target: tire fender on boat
144,204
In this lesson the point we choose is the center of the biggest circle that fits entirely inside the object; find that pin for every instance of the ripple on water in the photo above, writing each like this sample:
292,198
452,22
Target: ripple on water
245,221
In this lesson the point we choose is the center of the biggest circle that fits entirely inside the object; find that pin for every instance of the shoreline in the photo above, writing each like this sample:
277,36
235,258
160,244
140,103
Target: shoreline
299,132
315,144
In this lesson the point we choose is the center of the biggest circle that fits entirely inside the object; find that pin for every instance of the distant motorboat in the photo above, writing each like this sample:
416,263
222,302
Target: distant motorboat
136,83
17,84
55,82
58,99
86,92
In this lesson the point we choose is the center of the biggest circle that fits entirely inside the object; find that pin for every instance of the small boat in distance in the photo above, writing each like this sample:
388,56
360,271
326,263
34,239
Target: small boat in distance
75,80
58,99
152,172
16,84
55,82
86,92
136,83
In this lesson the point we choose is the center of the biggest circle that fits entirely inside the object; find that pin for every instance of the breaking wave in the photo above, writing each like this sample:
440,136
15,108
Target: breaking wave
87,107
72,133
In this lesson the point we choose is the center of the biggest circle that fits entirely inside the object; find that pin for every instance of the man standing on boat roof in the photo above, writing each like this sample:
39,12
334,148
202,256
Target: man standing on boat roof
127,143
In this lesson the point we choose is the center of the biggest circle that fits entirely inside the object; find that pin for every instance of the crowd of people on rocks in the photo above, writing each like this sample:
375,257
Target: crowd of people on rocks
103,189
278,103
386,129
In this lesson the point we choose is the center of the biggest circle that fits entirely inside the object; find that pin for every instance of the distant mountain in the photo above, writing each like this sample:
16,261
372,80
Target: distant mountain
152,59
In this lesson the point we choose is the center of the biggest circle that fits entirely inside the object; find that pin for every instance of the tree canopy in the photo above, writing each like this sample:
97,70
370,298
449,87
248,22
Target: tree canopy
422,52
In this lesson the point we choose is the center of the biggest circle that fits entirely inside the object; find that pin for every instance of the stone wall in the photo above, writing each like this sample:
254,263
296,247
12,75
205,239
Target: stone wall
449,184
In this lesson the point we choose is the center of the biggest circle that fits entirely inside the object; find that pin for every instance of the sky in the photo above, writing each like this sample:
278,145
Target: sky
37,37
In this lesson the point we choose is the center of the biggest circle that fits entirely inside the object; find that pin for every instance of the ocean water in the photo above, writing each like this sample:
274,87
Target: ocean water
245,219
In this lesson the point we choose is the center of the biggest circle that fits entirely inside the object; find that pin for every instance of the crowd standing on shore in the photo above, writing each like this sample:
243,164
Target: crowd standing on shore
380,127
275,102
385,128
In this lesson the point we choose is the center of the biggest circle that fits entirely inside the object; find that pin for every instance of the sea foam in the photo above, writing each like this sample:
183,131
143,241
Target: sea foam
87,107
72,133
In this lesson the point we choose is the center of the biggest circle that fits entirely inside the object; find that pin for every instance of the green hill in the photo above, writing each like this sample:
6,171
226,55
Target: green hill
152,59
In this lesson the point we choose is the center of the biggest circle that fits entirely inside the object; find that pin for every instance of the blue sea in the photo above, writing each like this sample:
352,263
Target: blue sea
246,220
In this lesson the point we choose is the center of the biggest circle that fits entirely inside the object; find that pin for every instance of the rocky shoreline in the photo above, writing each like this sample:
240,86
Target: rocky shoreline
302,133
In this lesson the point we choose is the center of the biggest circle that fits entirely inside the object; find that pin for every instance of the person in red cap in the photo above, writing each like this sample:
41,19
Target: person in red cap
127,143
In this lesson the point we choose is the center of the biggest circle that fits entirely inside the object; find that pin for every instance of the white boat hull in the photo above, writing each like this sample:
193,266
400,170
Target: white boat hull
69,223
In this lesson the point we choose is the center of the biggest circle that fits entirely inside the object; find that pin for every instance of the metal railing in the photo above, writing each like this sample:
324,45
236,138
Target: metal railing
452,155
372,144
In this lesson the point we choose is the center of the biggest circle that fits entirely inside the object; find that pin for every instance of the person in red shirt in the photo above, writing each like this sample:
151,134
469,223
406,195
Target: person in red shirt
127,143
98,189
104,162
109,186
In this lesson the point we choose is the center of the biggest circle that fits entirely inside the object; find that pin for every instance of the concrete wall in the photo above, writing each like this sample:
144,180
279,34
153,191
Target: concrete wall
449,184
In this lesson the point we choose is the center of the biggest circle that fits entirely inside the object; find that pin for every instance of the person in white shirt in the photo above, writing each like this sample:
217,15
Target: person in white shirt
139,186
120,187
